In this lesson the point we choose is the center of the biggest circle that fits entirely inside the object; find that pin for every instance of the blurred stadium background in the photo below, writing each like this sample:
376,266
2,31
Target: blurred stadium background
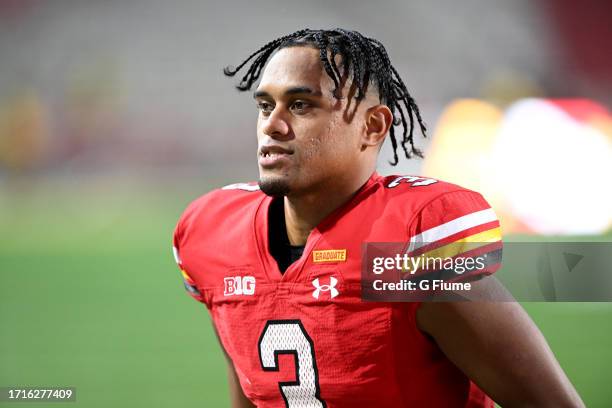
115,114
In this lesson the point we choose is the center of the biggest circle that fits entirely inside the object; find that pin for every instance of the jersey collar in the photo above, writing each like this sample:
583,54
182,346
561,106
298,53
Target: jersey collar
261,224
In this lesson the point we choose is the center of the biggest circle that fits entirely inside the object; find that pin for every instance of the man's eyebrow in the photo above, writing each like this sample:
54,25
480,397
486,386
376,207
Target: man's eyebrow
291,91
302,90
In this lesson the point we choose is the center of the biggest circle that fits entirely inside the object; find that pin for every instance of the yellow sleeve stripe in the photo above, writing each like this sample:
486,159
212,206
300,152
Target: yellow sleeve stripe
186,277
465,244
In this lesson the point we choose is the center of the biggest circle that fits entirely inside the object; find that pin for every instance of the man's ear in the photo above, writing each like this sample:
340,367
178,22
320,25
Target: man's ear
378,121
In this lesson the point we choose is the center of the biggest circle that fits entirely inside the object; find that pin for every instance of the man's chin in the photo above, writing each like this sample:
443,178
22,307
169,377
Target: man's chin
274,186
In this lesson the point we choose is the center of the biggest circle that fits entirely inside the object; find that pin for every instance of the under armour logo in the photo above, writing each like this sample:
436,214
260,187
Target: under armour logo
331,288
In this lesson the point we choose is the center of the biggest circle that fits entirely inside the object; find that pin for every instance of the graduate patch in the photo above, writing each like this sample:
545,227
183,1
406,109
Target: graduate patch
329,255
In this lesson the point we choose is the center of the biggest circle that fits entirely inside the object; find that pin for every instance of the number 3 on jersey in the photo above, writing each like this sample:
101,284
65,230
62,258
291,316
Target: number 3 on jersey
289,337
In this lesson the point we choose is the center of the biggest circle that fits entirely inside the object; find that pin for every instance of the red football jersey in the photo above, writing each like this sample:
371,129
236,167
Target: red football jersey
305,338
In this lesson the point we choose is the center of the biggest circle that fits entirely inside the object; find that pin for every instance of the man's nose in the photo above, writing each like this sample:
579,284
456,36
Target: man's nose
276,125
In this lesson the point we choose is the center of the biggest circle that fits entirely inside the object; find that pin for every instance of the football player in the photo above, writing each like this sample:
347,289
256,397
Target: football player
278,263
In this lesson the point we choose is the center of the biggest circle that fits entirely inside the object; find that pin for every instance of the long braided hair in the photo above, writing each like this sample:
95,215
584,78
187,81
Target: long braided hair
366,59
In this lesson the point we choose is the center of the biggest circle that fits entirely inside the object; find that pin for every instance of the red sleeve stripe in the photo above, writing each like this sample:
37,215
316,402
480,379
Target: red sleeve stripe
451,228
428,246
462,245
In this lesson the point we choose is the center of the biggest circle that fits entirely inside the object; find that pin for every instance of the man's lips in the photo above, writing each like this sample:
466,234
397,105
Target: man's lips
272,155
267,150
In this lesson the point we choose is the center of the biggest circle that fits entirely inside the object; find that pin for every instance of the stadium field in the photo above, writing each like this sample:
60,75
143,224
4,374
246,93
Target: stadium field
90,297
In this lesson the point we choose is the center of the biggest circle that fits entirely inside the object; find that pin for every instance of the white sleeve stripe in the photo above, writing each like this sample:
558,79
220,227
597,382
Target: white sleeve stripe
241,186
452,227
176,255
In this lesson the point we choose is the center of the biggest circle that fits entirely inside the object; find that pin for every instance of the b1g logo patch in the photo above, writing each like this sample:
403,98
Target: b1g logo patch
239,285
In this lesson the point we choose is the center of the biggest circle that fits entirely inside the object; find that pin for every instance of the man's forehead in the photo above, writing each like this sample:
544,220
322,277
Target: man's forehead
293,67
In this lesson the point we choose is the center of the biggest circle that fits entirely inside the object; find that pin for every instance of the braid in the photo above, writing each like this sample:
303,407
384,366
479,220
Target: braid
257,65
332,70
366,60
335,50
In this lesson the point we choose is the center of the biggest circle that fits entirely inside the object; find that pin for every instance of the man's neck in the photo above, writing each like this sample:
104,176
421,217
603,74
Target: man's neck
303,213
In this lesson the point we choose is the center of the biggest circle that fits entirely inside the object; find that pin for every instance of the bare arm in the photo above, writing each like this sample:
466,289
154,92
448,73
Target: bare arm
237,397
499,347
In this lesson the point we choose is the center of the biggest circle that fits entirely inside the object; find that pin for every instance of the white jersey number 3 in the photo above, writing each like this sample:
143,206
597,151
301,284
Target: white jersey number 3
289,337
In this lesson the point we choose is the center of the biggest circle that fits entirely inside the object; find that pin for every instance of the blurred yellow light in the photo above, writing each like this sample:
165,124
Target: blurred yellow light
541,168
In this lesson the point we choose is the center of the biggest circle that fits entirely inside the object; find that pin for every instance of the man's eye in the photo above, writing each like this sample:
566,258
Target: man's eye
300,106
265,107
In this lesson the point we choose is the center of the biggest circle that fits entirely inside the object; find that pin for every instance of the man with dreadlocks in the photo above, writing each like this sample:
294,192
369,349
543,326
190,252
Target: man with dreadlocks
278,263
